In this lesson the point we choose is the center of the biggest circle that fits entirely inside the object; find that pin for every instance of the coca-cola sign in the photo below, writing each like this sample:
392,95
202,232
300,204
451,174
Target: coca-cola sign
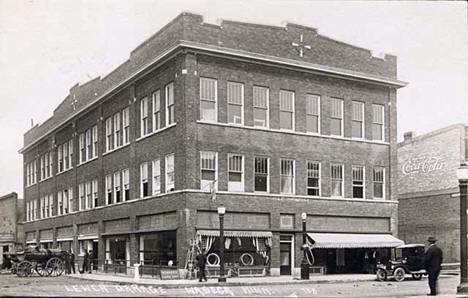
423,165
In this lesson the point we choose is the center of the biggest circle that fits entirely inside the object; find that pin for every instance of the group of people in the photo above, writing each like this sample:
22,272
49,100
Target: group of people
70,262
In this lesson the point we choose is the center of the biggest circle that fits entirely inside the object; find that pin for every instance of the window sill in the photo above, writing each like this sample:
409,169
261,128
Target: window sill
88,161
28,186
45,179
64,171
155,132
115,149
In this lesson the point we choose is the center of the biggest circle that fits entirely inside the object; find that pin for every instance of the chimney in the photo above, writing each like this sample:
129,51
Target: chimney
408,136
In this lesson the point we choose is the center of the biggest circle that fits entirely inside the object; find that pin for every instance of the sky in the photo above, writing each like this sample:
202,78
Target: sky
48,46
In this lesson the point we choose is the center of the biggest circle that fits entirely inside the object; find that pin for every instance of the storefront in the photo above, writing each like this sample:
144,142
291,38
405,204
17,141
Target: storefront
158,248
118,250
350,253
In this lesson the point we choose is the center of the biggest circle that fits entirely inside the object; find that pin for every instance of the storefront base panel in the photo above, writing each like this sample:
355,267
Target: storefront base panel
274,271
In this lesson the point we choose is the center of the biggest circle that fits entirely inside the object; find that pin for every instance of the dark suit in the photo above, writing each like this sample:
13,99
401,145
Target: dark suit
432,261
201,260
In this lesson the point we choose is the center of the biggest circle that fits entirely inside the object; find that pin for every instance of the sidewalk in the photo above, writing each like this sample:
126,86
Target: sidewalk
243,281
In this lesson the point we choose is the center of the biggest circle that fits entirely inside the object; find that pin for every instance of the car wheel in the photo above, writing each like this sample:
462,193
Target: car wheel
417,276
381,275
399,274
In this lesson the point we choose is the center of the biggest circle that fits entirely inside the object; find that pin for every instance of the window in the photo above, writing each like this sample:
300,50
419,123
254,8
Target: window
89,195
46,165
63,157
42,214
313,113
286,110
287,176
95,140
42,168
51,205
70,153
208,98
117,189
35,209
65,201
82,148
336,180
144,191
170,179
81,197
260,106
378,122
71,201
235,103
109,189
358,120
379,182
28,215
208,167
144,129
117,131
156,110
156,176
287,221
336,117
170,105
89,150
126,125
59,159
51,163
313,178
235,172
261,174
109,135
358,182
126,182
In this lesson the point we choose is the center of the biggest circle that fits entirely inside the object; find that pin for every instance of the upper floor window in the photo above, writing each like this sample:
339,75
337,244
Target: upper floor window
144,129
95,193
109,135
286,110
379,182
64,156
208,99
31,173
209,170
313,113
88,144
156,176
235,172
261,106
117,187
126,125
336,180
46,161
65,201
358,120
313,178
336,117
358,182
287,176
118,135
261,179
126,184
170,179
235,103
156,110
170,104
109,189
144,186
378,122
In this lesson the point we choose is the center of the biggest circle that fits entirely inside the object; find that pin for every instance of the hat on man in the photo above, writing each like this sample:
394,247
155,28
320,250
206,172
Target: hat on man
431,239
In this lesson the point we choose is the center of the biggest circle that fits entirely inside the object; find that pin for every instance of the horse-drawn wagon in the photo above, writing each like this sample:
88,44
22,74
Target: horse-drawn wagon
46,262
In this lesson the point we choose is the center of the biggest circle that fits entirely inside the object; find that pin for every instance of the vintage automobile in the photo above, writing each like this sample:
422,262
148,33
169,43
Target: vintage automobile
409,259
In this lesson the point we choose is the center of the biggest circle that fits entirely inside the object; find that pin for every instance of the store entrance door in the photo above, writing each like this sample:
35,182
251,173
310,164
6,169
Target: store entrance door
94,256
286,254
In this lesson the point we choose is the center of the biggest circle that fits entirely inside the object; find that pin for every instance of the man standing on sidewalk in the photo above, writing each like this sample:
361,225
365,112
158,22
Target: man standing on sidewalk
432,261
72,262
201,260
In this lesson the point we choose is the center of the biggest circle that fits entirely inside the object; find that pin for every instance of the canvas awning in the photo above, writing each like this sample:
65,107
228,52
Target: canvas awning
332,240
249,234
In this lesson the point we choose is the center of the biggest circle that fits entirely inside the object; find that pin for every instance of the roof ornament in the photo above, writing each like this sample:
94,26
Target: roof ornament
74,103
301,46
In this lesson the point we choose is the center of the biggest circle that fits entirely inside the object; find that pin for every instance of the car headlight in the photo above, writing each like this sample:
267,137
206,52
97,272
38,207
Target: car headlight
392,266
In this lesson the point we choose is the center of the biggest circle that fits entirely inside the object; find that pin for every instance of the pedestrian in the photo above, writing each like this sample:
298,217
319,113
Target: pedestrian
432,261
66,256
85,267
201,261
90,261
72,261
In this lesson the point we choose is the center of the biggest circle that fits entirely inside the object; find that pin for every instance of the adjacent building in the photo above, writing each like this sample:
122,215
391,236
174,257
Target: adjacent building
269,122
429,196
11,224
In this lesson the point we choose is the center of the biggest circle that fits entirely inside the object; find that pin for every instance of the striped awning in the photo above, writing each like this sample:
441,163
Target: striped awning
248,234
332,240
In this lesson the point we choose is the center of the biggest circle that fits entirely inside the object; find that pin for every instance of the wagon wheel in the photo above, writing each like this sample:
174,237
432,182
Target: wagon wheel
42,269
24,269
55,266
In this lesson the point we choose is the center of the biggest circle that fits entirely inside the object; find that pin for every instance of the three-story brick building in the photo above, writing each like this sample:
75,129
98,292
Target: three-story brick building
276,121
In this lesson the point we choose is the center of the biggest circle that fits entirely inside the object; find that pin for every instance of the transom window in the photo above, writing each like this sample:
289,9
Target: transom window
313,178
336,180
379,182
235,100
378,122
235,172
313,113
260,106
208,99
208,167
170,104
336,117
358,182
261,174
287,176
286,110
358,120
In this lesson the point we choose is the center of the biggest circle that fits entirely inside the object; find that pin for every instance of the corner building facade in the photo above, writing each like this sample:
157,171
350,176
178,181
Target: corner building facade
272,121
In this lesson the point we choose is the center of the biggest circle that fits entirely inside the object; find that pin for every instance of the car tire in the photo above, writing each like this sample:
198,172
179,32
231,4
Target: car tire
417,276
399,274
381,275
